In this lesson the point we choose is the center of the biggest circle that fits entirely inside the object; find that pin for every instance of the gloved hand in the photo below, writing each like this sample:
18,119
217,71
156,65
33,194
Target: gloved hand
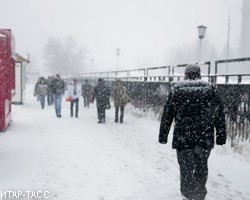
163,140
220,141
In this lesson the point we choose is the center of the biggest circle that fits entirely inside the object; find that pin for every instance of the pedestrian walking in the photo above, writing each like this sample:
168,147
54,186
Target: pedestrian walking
102,94
87,95
41,90
49,93
35,89
120,99
197,109
58,89
74,93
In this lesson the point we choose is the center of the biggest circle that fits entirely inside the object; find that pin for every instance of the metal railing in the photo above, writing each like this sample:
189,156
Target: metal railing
145,88
168,73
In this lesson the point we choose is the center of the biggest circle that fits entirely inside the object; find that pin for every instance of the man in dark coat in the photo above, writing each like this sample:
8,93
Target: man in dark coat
58,89
50,86
86,93
102,94
197,109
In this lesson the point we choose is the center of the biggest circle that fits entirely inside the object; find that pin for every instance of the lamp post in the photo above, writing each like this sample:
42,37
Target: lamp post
92,64
228,32
201,33
117,53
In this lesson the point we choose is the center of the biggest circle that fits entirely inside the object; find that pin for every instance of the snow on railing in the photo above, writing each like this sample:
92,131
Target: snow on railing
176,73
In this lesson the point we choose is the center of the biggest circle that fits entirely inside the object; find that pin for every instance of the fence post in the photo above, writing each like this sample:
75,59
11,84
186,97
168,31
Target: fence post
145,89
239,79
216,71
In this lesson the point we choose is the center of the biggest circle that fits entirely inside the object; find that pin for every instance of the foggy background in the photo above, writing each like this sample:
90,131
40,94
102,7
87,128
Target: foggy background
149,33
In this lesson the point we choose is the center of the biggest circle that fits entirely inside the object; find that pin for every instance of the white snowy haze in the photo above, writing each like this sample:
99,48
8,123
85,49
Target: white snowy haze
146,31
78,159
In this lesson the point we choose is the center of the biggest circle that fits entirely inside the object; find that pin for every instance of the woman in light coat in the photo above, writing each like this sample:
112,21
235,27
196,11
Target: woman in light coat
74,93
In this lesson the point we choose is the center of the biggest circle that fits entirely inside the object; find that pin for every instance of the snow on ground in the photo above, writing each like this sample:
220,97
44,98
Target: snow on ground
81,160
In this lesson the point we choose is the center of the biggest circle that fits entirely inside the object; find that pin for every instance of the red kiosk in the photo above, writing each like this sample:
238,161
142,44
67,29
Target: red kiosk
7,76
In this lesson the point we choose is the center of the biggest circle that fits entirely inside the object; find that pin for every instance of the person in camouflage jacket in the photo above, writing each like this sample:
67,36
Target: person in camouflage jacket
120,99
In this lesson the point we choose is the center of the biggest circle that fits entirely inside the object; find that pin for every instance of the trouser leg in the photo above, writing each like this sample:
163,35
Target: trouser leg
101,108
60,104
193,172
84,101
122,114
87,101
71,107
42,100
99,112
55,104
186,164
52,99
58,101
77,106
116,113
201,172
103,113
48,99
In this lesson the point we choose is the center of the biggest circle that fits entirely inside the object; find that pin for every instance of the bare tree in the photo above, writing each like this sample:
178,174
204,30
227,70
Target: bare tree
188,53
64,57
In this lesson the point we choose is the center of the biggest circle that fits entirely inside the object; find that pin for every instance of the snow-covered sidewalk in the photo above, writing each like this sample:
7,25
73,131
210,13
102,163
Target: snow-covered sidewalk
78,159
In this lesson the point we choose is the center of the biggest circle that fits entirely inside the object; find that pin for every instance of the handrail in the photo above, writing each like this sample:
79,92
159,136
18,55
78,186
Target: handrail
142,74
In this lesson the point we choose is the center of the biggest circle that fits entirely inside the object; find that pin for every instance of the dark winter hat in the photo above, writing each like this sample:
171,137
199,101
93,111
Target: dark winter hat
193,71
100,80
118,81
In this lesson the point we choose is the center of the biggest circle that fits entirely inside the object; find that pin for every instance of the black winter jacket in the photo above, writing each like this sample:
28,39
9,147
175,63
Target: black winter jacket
197,109
102,94
58,87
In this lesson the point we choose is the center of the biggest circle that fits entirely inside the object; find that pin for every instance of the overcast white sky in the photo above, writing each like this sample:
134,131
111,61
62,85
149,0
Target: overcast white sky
144,30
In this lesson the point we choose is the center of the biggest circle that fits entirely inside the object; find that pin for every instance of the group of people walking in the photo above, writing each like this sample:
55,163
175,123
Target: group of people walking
55,88
194,105
102,94
43,88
